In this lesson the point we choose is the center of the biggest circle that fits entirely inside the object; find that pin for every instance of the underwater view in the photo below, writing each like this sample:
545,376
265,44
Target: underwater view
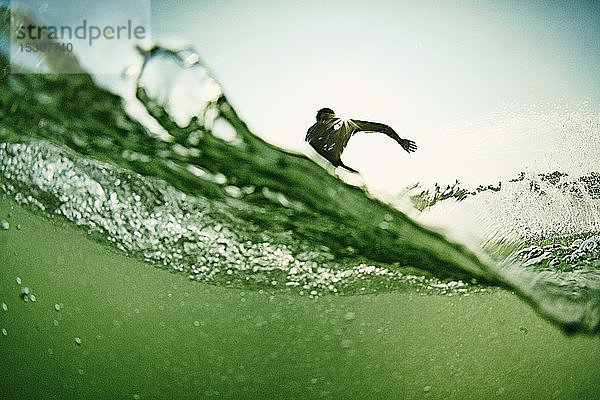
153,245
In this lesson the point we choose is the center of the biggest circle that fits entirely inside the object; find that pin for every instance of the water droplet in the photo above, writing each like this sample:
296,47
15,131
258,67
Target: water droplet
18,280
32,297
57,307
4,225
196,323
78,341
4,332
4,307
55,323
523,330
233,191
427,388
25,293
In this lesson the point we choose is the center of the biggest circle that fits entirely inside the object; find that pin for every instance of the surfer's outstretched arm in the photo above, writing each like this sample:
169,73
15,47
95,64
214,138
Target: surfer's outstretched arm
367,126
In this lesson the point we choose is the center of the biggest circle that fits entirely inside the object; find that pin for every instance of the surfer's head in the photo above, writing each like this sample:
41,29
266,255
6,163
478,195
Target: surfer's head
324,114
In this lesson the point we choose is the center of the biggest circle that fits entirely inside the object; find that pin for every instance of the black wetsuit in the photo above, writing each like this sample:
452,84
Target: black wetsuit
330,135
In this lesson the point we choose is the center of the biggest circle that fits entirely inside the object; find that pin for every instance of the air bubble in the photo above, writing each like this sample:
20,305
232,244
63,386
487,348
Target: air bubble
25,291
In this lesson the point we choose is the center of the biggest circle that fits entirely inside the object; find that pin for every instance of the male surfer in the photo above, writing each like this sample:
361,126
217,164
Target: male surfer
330,135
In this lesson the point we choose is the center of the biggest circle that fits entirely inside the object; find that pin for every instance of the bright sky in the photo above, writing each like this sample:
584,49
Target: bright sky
440,73
428,69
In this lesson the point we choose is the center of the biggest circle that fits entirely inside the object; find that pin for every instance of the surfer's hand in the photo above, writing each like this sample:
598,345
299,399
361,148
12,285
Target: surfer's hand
408,145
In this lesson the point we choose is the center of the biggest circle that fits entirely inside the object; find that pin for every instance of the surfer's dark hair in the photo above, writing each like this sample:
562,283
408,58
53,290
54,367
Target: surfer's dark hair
324,111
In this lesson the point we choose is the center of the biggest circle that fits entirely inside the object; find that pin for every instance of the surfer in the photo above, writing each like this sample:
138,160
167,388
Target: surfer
330,135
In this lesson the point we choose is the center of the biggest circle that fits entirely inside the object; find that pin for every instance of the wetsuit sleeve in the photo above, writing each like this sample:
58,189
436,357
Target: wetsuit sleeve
366,126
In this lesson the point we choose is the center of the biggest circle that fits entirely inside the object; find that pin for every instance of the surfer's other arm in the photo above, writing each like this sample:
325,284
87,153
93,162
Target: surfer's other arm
367,126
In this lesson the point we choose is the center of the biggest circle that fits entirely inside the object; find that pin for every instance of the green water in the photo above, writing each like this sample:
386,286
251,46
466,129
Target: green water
237,211
200,261
138,336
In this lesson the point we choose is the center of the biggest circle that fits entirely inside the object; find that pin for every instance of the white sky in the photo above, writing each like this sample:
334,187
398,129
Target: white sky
440,73
428,69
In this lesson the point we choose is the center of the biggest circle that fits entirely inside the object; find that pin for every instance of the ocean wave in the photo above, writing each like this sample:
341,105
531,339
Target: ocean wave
212,200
